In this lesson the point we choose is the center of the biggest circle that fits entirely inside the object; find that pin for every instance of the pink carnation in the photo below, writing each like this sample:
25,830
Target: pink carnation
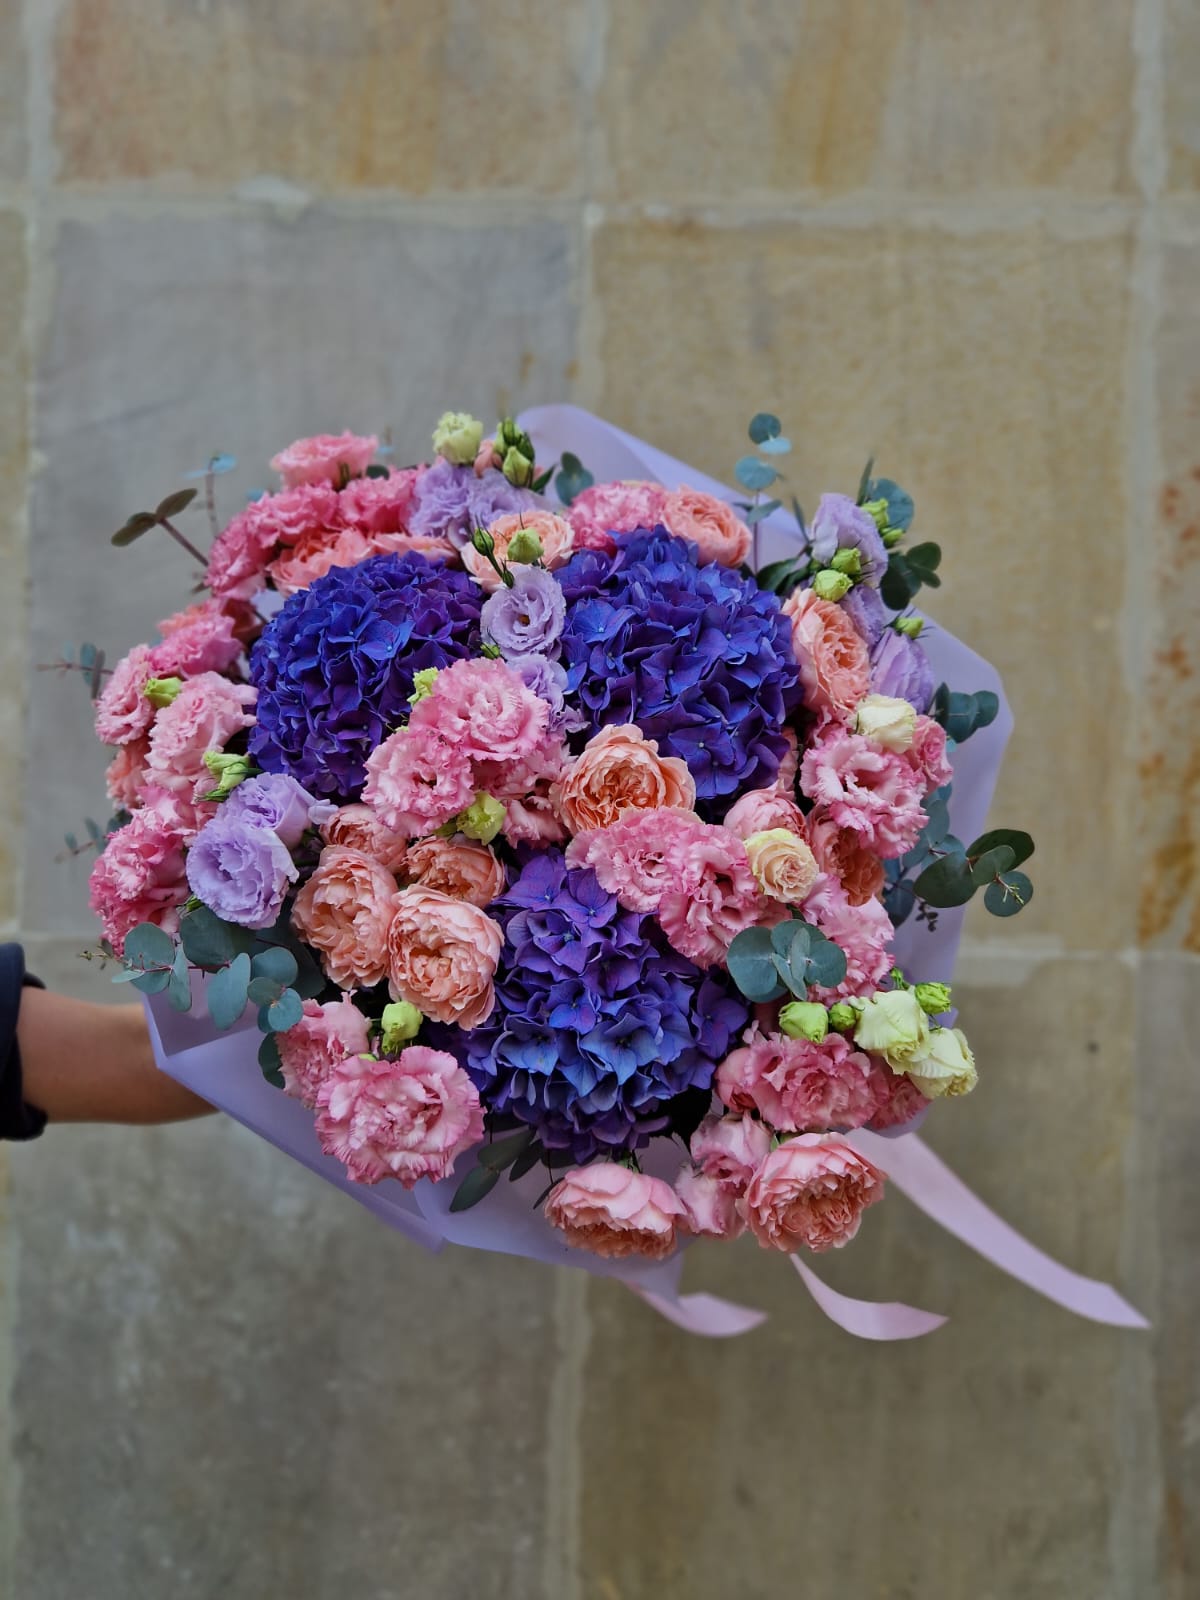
533,819
408,1118
716,897
127,776
864,932
380,505
485,712
613,1211
729,1149
533,774
324,1036
865,789
206,643
206,713
811,1191
797,1086
237,564
897,1098
356,827
760,810
710,1208
830,652
326,458
122,711
641,857
841,853
608,508
457,867
789,764
927,754
417,780
139,877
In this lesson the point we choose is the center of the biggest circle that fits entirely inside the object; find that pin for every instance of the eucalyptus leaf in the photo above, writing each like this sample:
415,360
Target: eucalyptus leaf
171,505
526,1161
991,864
898,584
864,482
926,557
987,708
1021,844
480,1181
263,991
179,984
286,1012
139,523
268,1060
153,982
898,902
501,1153
776,447
1012,894
754,474
148,946
778,575
208,941
791,937
757,513
827,965
899,502
763,426
946,883
227,992
572,479
276,963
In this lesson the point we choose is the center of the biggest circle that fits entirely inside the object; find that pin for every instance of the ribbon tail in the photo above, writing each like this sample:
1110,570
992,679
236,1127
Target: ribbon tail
704,1314
929,1183
868,1319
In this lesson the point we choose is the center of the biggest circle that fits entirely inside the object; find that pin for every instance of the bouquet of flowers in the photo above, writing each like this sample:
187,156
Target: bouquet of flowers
589,878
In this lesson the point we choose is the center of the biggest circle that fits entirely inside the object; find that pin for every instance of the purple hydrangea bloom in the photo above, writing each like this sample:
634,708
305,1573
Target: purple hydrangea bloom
240,869
526,618
598,1023
451,502
698,657
276,801
867,612
334,669
548,680
839,524
901,668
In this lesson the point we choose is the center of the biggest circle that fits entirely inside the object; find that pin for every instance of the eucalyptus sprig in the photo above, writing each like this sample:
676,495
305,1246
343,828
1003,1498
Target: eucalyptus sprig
142,521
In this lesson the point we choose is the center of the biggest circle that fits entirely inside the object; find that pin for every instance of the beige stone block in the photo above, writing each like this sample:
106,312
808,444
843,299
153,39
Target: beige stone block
1181,61
418,98
1169,838
707,99
984,1460
13,594
985,373
13,77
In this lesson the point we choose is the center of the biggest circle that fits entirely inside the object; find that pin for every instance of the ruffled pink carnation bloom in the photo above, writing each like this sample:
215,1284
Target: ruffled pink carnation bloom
716,896
709,523
417,780
206,713
380,505
244,621
238,561
344,911
811,1191
530,775
122,711
555,532
710,1208
442,956
207,642
533,819
841,853
760,810
641,857
356,827
864,932
316,553
484,711
870,791
798,1086
609,508
789,765
325,458
324,1036
730,1149
139,877
613,1211
897,1098
408,1118
834,666
458,867
927,754
127,775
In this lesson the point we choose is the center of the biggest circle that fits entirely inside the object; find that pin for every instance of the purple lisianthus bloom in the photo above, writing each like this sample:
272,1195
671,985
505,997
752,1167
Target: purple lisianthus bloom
241,870
527,617
451,502
867,612
900,668
839,524
276,801
548,680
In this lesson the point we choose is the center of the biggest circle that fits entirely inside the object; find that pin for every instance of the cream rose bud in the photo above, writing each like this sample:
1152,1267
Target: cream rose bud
887,721
892,1025
784,866
946,1066
457,437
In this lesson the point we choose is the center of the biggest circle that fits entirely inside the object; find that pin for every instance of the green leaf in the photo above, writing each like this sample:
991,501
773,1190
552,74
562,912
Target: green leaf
1012,894
268,1060
764,426
173,504
898,901
227,992
502,1153
179,985
139,523
276,963
208,941
776,447
152,982
864,482
286,1011
757,513
946,883
148,946
573,478
526,1161
71,842
827,965
991,864
480,1181
987,707
1021,844
926,557
899,502
377,470
754,474
539,483
798,509
777,574
96,676
263,991
791,938
898,584
751,965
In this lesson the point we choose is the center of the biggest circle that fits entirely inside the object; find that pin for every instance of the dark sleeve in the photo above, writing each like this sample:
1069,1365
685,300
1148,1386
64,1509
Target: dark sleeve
17,1120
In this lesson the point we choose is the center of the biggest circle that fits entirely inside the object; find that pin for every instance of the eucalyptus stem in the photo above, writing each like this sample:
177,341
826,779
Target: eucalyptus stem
181,539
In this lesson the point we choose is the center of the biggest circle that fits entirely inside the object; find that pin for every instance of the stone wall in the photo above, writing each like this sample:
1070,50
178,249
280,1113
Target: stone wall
963,235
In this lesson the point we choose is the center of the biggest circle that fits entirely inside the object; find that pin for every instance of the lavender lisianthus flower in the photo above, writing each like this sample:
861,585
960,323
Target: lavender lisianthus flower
527,617
839,524
548,680
241,870
901,668
450,502
276,801
867,612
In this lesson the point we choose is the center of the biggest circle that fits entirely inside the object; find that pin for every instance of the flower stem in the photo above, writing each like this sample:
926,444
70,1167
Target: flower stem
187,544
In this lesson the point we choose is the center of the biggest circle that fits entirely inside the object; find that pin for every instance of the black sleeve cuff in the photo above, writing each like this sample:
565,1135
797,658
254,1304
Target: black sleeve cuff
17,1120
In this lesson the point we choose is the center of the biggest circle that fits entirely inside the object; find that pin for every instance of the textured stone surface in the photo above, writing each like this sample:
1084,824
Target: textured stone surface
838,95
980,1461
13,78
1181,63
14,363
970,367
416,98
172,338
1170,768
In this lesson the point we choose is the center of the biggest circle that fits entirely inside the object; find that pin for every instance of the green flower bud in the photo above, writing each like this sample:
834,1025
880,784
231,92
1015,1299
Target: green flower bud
483,541
843,1016
877,510
804,1019
909,625
400,1023
490,650
933,998
229,771
891,537
423,682
511,436
482,819
830,585
457,437
848,561
524,546
161,691
518,467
